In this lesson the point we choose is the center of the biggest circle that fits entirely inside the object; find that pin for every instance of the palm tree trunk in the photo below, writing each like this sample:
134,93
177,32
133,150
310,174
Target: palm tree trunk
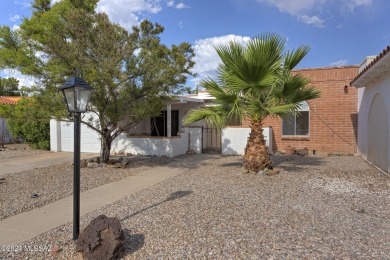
256,156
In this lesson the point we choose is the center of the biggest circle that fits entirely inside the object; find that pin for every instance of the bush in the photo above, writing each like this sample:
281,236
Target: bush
29,123
34,133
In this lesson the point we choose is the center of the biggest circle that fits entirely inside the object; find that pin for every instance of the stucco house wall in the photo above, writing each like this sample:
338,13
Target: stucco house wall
373,84
333,117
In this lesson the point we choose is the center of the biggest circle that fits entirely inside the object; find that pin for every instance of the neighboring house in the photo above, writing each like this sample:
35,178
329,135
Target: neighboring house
5,135
373,84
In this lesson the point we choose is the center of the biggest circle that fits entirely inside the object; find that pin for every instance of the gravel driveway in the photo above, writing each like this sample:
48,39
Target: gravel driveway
330,207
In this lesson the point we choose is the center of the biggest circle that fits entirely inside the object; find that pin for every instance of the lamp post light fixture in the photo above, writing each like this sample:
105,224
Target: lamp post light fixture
76,93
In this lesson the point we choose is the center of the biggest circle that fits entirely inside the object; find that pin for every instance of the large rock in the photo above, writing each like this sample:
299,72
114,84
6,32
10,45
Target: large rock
102,239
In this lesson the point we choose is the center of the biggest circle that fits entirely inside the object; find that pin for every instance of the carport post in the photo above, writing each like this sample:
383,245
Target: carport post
76,176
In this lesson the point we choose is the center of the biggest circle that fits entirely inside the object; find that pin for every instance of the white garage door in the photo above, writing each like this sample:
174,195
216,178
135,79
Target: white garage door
89,140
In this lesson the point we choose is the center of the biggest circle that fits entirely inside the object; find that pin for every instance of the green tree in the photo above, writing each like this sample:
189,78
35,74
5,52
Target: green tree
254,82
132,73
9,87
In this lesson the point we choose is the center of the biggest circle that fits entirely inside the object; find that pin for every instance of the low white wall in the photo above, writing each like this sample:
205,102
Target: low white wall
234,140
159,146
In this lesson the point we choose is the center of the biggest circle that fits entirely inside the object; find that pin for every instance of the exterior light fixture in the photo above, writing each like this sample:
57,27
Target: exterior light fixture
77,94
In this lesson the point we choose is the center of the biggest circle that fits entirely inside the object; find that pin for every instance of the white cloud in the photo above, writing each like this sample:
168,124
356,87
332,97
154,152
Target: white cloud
126,12
15,27
24,81
352,4
339,63
181,6
339,26
295,7
304,9
171,3
206,58
25,3
181,24
14,18
314,20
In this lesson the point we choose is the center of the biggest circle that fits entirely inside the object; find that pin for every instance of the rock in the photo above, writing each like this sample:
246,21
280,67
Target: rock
302,152
272,172
2,180
129,154
125,161
121,152
34,196
83,163
290,150
279,153
98,160
103,165
55,250
120,159
112,161
103,238
92,164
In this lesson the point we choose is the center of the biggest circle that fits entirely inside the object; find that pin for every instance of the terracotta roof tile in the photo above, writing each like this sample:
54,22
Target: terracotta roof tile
372,63
9,100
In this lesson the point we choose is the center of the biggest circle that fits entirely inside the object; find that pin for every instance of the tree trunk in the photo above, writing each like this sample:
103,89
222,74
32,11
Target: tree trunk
106,148
256,156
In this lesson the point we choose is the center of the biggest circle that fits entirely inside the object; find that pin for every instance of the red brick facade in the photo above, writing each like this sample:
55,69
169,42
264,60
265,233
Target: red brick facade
333,116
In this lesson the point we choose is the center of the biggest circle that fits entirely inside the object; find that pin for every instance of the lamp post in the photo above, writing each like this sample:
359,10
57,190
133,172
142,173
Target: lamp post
76,93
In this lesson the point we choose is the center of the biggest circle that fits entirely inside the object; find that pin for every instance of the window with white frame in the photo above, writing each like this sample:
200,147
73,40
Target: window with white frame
297,123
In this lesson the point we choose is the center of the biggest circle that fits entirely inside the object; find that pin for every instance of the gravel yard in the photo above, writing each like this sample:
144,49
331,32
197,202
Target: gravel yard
316,207
19,150
56,182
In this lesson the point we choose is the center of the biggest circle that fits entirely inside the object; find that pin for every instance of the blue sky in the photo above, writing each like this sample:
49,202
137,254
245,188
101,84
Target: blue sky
340,32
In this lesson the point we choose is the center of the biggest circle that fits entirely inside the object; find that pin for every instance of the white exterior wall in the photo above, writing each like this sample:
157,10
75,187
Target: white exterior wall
158,145
234,140
365,98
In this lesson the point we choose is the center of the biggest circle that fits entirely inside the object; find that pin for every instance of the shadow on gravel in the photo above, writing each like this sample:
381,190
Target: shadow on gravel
295,162
133,242
173,196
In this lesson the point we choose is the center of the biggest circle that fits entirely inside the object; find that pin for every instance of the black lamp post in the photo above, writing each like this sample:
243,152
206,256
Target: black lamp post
77,93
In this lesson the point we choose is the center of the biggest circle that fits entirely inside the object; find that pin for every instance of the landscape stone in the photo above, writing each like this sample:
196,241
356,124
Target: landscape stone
92,164
83,163
103,238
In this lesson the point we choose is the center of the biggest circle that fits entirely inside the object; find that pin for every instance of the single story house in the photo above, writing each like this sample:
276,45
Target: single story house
373,85
164,135
327,124
5,135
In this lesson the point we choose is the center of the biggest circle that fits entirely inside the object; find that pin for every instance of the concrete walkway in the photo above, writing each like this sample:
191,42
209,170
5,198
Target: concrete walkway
24,226
19,164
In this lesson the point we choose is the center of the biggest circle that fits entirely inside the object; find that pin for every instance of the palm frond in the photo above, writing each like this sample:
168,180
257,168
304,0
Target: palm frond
293,58
213,116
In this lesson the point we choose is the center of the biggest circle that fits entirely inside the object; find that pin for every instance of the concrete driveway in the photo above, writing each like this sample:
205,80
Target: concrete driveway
19,164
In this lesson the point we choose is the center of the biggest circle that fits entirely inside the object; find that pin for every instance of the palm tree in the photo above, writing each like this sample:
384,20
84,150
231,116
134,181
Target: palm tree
255,81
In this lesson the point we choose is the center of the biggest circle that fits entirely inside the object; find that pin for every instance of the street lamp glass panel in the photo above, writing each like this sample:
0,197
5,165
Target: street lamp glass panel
82,96
70,99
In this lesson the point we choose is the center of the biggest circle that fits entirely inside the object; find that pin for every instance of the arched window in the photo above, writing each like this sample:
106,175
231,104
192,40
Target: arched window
297,123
